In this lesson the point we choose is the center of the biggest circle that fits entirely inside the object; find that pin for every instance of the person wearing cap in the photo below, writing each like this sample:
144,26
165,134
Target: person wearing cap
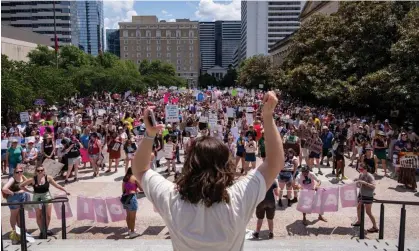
129,148
380,147
307,180
361,138
14,156
30,153
327,137
366,183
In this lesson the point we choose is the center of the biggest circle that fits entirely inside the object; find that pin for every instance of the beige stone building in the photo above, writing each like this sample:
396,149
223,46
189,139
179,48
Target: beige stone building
280,50
176,43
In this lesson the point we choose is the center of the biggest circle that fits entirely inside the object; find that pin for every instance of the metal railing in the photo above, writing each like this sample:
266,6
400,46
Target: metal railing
402,229
23,242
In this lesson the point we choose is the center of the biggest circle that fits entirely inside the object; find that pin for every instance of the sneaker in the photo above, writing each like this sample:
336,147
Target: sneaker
289,202
280,203
294,200
333,172
255,235
350,164
328,164
344,178
132,235
320,172
271,235
66,181
50,233
75,179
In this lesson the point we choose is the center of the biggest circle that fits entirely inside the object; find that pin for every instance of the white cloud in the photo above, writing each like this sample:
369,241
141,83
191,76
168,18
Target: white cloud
118,11
209,10
171,20
164,12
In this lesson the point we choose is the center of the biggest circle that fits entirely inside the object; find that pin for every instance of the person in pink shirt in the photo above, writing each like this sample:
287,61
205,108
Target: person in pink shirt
306,180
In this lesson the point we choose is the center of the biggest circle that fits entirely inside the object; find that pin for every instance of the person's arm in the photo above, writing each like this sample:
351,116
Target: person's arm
23,185
54,184
364,183
295,162
276,190
123,189
141,162
7,158
6,187
274,161
375,163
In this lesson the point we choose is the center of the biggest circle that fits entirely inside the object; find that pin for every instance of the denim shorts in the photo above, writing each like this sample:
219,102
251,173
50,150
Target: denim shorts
17,197
12,167
74,161
132,205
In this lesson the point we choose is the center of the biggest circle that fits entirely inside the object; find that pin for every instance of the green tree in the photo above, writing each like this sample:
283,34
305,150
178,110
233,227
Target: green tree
230,78
206,80
43,56
255,71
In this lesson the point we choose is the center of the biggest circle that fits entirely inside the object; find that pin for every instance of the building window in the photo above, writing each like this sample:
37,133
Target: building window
191,73
168,61
191,34
125,41
159,55
178,34
168,41
168,48
138,55
158,48
126,55
125,33
178,61
158,42
158,33
138,42
168,33
168,55
178,48
191,47
149,41
178,68
125,48
138,33
190,54
178,55
148,33
148,48
138,48
148,55
178,42
184,68
139,61
190,41
190,61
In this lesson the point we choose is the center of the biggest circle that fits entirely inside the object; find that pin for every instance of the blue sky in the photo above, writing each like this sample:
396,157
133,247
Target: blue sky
199,10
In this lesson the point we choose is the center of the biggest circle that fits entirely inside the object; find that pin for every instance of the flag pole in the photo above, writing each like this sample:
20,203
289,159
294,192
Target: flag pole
55,37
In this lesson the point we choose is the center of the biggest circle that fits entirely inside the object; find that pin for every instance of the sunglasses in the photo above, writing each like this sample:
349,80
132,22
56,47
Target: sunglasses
19,172
40,170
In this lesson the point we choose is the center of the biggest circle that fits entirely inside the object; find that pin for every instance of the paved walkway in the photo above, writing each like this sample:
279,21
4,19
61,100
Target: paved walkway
287,222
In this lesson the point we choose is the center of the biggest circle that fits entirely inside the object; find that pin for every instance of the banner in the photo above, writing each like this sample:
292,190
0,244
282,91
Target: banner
212,120
116,210
100,210
314,145
327,199
172,113
24,117
85,208
58,211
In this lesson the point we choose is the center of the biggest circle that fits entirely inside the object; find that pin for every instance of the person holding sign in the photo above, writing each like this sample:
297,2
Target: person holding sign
169,154
129,148
207,188
114,150
251,149
241,152
314,156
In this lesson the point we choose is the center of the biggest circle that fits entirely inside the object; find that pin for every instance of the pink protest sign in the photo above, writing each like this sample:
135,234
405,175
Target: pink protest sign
100,210
330,199
317,202
85,208
57,208
42,129
305,202
84,155
166,98
348,196
116,210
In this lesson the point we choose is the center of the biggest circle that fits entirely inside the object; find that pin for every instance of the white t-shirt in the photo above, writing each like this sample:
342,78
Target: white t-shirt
196,227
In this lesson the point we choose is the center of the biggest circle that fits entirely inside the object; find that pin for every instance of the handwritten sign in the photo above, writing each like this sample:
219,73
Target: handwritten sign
24,117
230,112
314,145
203,119
39,102
212,120
409,161
192,130
172,113
249,118
168,151
4,144
250,109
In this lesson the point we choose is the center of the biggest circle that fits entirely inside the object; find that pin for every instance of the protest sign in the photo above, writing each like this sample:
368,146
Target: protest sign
4,144
348,196
249,119
84,155
101,112
39,102
42,129
330,199
305,201
172,113
212,120
230,112
24,117
203,119
314,145
116,210
192,130
85,208
250,109
168,151
52,167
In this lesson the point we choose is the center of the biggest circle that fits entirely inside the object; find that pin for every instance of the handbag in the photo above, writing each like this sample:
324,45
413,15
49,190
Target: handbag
126,198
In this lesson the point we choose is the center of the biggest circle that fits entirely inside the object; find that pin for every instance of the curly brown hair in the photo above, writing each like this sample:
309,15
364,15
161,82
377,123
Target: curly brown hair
207,173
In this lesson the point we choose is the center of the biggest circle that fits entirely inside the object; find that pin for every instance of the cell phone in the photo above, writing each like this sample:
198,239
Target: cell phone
152,118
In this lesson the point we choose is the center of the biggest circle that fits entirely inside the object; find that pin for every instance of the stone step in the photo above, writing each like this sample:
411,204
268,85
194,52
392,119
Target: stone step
260,245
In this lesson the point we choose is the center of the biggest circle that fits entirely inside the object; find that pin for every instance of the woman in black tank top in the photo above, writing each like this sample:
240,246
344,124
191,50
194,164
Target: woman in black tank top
370,160
48,148
40,183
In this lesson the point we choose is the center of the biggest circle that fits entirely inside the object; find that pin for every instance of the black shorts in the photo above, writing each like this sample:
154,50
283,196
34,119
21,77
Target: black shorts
240,154
268,207
365,199
263,155
325,152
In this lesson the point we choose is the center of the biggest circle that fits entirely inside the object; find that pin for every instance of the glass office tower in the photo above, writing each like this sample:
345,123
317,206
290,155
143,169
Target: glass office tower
90,26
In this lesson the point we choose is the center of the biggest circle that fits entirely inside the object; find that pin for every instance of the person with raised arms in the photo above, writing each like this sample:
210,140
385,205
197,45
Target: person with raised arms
207,208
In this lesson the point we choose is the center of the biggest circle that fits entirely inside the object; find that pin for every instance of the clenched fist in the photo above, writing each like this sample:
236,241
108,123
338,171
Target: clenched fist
269,103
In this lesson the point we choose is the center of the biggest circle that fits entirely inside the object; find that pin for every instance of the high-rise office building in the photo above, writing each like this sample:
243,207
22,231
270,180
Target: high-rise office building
218,40
176,43
266,22
38,16
79,23
207,45
90,21
112,42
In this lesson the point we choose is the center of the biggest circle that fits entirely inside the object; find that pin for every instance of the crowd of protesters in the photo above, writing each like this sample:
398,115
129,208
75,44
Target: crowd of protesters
110,127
